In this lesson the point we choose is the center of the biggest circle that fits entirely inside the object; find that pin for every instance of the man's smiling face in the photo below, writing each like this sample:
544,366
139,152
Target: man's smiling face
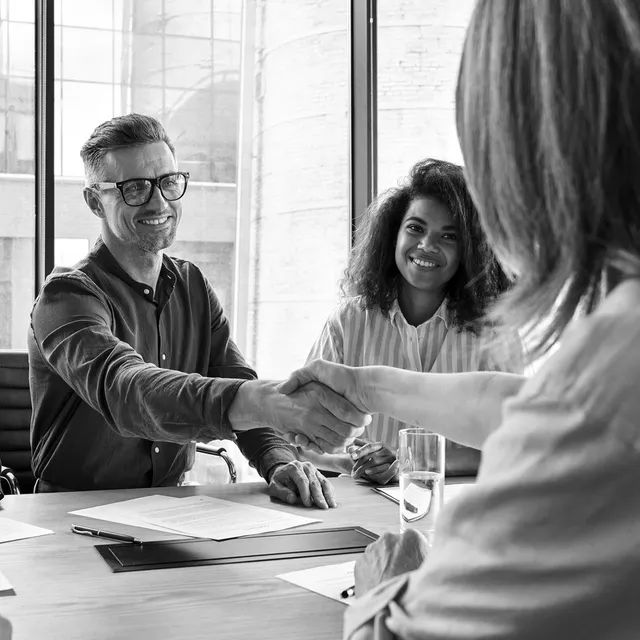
150,227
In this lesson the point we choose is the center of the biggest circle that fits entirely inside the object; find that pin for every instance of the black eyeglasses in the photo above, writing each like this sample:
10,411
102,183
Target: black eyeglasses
138,191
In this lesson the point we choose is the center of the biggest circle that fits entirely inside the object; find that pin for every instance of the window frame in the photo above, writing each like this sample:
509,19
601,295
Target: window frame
363,125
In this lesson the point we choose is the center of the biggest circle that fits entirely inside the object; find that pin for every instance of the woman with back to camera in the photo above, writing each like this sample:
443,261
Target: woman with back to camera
545,544
420,278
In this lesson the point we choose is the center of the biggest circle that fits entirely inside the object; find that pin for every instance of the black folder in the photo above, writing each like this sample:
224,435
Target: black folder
165,554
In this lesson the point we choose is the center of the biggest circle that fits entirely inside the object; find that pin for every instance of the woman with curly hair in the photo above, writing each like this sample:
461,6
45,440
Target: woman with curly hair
420,278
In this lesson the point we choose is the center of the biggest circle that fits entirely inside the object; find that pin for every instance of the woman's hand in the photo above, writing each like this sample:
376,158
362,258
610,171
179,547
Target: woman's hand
389,556
374,461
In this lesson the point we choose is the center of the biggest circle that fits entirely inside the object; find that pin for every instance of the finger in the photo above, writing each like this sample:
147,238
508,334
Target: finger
356,444
327,490
367,449
290,437
315,488
296,380
390,474
325,447
342,409
341,433
375,473
298,477
302,440
378,458
358,472
280,491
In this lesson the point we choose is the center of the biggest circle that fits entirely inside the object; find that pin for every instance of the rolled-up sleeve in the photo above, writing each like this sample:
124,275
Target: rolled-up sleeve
71,325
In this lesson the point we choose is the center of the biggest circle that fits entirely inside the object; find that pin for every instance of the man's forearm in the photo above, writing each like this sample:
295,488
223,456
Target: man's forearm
250,406
464,407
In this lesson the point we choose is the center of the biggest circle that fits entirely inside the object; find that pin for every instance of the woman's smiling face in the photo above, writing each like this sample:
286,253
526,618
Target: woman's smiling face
427,246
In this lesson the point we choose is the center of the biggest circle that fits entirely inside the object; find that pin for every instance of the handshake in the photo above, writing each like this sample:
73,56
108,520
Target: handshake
340,392
323,407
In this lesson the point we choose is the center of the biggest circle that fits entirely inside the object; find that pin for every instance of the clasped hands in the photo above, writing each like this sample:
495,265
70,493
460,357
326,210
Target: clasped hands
348,390
326,412
338,390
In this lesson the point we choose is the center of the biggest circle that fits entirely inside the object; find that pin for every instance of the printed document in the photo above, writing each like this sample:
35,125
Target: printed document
330,580
206,517
11,530
196,516
131,512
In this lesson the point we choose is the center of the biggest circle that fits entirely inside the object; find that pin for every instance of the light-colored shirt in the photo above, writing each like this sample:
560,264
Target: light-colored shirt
546,544
358,337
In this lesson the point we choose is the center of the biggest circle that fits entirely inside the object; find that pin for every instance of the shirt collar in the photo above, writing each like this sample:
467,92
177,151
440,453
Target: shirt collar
441,312
105,259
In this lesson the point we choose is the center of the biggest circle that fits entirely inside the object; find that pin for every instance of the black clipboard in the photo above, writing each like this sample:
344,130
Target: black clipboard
165,554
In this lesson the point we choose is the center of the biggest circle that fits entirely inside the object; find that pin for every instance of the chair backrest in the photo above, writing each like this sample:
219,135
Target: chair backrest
15,416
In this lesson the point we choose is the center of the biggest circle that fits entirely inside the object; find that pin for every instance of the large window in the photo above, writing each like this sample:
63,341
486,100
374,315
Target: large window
419,48
275,249
256,96
16,170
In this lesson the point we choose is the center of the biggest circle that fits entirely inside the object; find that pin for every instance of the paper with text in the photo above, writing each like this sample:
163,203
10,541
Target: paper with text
330,580
206,517
11,530
132,512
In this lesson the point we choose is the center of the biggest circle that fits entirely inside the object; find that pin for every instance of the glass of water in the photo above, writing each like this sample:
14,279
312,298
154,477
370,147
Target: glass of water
421,467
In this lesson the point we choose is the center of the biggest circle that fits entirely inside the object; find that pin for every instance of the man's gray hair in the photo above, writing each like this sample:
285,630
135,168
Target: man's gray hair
123,131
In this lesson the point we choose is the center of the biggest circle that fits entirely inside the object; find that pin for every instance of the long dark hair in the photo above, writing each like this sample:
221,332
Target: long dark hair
372,272
547,109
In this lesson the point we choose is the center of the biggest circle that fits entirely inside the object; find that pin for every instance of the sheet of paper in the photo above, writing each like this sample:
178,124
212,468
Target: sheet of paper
132,512
451,492
329,580
6,588
13,530
206,517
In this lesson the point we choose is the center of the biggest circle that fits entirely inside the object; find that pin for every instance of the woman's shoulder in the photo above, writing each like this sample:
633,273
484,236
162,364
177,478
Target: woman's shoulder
598,360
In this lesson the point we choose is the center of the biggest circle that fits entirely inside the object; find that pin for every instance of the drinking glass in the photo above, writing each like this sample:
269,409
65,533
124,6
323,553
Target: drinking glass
421,468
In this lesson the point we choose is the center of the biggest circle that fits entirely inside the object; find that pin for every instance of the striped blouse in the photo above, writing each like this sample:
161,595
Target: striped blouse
358,337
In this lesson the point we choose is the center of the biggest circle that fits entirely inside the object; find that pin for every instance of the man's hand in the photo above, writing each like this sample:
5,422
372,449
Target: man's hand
322,416
297,482
353,383
374,461
389,556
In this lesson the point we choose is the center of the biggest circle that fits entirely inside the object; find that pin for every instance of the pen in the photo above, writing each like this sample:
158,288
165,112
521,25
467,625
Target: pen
99,533
348,592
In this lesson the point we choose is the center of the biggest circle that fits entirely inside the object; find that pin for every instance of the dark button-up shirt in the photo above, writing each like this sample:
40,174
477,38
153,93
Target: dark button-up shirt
124,379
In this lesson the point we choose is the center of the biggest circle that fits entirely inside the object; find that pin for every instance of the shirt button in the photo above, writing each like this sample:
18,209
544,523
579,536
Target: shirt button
157,449
147,292
164,356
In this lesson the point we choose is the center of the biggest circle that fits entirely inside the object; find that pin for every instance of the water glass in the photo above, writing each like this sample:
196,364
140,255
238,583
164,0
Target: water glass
421,468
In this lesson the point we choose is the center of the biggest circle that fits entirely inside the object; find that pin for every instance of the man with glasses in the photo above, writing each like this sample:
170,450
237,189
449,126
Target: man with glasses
130,357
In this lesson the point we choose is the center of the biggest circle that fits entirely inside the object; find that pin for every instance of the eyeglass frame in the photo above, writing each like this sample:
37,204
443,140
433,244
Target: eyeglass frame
155,184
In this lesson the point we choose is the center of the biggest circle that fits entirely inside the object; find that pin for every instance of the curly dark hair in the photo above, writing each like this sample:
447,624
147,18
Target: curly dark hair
372,272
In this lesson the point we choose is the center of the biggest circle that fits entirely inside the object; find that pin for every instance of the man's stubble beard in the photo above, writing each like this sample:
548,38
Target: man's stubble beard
156,243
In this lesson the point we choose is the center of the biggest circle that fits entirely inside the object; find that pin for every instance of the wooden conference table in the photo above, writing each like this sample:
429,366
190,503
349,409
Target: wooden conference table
66,591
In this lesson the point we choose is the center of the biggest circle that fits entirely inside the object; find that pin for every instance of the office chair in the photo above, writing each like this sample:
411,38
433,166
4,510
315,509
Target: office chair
210,450
15,419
